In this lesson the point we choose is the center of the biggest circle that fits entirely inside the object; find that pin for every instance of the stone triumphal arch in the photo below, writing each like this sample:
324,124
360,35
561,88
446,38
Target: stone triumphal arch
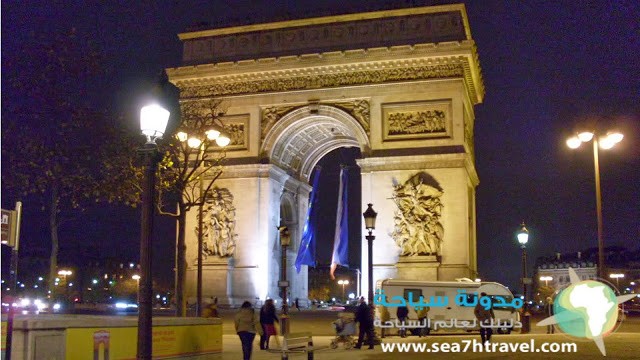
401,85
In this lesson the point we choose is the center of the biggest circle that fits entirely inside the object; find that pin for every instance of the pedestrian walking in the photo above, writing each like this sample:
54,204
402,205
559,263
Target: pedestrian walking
423,314
484,317
268,319
364,315
297,304
384,317
247,324
549,310
402,313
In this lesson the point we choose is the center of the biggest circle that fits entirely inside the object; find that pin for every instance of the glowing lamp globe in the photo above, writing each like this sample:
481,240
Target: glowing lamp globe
574,142
370,218
153,122
523,235
223,140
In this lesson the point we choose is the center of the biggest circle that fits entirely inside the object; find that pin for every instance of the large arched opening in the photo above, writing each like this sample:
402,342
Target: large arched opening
300,141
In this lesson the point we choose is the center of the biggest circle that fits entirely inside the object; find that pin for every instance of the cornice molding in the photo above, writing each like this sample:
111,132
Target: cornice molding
335,69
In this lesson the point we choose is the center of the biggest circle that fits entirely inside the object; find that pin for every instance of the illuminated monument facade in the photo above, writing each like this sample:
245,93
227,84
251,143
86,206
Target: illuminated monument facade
400,85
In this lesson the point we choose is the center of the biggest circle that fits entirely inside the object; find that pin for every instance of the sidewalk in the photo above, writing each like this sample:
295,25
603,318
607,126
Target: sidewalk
619,346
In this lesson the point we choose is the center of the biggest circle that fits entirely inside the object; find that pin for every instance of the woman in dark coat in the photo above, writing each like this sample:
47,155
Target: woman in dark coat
267,319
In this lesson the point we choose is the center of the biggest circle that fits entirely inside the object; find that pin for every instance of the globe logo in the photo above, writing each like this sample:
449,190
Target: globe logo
586,309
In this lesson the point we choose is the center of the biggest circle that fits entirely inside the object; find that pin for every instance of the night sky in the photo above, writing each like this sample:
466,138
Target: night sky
547,67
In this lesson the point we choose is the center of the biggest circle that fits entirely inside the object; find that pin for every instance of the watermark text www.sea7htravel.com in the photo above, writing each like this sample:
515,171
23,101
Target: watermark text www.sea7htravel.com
479,347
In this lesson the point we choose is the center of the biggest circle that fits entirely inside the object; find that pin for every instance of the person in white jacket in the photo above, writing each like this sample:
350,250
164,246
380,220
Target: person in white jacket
247,324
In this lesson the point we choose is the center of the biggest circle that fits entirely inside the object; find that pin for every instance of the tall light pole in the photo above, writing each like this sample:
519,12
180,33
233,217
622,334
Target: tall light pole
153,122
285,241
136,277
370,224
343,283
546,280
523,238
64,274
194,141
606,142
617,277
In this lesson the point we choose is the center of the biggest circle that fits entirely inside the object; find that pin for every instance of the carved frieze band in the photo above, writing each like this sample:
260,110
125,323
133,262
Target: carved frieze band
358,108
327,80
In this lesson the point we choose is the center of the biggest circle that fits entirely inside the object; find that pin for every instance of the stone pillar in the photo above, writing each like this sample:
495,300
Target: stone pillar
252,273
452,173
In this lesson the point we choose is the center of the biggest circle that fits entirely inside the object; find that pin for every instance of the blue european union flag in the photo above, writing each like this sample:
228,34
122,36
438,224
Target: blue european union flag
307,250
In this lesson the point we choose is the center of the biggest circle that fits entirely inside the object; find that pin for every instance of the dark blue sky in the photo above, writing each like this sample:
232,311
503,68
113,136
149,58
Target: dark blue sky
547,66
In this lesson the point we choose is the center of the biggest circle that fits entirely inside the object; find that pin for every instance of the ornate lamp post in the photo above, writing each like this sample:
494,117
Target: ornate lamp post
214,133
285,241
370,224
606,142
523,238
153,122
343,283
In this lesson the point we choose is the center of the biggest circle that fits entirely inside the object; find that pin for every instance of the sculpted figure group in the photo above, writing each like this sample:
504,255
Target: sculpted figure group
219,224
418,230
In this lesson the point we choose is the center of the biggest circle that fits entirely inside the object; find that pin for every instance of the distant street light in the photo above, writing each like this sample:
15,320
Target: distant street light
343,283
546,280
523,238
606,142
136,277
617,277
153,123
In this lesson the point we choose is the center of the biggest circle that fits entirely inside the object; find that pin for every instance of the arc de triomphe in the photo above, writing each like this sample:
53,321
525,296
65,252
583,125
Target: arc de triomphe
401,85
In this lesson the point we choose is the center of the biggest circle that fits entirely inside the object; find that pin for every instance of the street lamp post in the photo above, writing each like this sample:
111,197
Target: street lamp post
370,224
64,274
605,142
285,241
546,280
617,277
136,277
523,238
343,283
153,122
214,133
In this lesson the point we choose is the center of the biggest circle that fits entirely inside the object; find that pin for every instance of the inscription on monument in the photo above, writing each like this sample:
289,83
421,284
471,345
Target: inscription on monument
337,36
